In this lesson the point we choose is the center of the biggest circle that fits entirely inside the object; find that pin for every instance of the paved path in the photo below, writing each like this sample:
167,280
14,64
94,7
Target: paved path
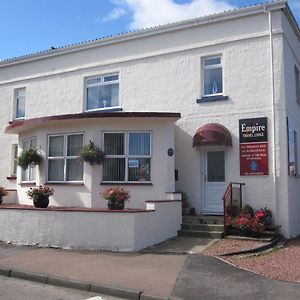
204,277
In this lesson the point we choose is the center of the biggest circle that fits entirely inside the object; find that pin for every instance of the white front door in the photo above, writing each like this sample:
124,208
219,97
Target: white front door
214,182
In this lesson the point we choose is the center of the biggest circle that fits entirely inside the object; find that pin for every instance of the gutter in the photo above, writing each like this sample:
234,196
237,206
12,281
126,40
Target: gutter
274,169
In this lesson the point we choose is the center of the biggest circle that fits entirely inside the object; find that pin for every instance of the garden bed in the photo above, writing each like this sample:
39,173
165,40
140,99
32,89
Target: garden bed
281,264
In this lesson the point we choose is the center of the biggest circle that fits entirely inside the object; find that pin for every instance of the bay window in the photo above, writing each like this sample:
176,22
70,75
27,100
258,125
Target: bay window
63,162
102,92
127,157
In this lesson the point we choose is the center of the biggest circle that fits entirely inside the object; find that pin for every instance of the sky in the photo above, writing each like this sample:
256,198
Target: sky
28,26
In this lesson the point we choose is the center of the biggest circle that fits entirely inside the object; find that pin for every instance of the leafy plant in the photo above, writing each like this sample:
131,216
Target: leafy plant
91,154
29,156
248,209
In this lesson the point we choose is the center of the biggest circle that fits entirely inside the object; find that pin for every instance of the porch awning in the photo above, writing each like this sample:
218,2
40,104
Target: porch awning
19,126
212,134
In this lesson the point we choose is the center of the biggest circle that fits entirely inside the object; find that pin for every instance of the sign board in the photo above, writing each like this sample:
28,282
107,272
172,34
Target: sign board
254,158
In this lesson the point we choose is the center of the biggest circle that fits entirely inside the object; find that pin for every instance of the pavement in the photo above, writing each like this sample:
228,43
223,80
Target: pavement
172,270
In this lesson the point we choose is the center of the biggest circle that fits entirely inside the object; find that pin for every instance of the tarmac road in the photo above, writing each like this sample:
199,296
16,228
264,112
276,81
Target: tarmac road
16,289
208,278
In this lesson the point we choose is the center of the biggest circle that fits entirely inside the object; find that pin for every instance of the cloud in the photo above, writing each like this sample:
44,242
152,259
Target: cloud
115,14
147,13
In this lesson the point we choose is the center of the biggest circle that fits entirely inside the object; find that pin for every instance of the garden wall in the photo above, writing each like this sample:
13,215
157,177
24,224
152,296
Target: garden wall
127,230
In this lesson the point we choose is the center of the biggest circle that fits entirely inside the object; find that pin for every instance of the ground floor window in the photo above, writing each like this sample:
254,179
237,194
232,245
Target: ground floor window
127,156
30,173
14,160
63,162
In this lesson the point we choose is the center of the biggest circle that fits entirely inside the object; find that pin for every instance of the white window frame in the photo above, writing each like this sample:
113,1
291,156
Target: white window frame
28,170
64,157
16,99
210,68
102,83
127,156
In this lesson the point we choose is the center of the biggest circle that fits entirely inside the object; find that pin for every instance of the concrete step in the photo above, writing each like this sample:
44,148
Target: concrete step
202,227
203,234
203,219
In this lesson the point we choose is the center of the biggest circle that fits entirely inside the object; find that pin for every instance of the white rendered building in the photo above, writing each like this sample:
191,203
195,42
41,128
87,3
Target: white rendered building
148,99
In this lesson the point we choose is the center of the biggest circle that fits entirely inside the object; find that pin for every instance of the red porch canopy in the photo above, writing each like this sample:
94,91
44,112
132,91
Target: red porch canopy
212,134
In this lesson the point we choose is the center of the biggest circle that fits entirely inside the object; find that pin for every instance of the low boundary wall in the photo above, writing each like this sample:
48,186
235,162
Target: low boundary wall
128,230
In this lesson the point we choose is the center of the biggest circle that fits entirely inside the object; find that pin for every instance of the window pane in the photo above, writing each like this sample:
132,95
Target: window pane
56,170
75,144
93,95
74,170
139,169
56,146
20,107
109,95
114,143
15,159
216,166
213,81
93,80
103,96
111,78
32,172
212,61
114,169
139,144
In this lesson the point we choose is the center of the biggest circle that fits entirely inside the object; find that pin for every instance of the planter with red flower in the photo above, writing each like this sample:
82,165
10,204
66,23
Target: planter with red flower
116,197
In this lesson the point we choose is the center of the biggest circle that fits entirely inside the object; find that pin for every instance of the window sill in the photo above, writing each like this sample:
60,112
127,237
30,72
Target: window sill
28,183
12,177
127,183
99,110
205,99
66,183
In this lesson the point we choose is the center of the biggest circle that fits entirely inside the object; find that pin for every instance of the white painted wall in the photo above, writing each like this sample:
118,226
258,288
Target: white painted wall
113,231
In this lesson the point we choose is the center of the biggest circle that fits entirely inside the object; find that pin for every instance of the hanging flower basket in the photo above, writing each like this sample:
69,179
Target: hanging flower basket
28,157
91,154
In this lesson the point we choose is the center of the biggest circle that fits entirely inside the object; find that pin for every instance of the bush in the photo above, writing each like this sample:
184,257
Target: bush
248,210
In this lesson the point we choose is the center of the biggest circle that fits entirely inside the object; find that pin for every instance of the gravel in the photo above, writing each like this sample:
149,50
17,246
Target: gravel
282,264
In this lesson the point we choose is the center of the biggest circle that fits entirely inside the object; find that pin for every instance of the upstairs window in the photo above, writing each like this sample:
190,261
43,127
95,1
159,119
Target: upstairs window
127,157
29,175
297,82
102,92
213,77
63,162
20,103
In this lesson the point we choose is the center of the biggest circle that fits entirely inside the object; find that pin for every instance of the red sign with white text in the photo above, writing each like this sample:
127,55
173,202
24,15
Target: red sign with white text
254,159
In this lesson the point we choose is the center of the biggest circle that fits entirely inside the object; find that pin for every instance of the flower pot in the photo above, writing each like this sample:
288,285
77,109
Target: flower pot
268,221
115,205
41,201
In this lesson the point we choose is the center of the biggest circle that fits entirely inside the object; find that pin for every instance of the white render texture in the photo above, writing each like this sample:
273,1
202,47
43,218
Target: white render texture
113,231
162,72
